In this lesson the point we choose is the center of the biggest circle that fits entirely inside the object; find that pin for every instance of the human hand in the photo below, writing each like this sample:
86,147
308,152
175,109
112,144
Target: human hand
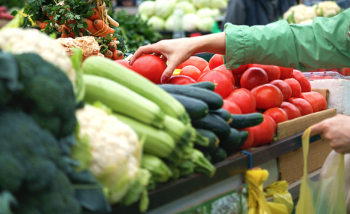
337,131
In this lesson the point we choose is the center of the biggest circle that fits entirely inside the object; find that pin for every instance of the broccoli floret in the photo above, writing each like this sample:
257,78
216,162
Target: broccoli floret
11,173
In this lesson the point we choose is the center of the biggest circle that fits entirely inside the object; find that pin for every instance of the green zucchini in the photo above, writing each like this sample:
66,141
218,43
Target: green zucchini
244,137
240,121
213,100
233,142
213,141
215,124
224,114
218,155
196,109
206,85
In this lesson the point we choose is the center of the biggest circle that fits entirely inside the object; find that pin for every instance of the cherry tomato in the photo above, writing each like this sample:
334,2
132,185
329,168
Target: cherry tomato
273,72
265,132
124,63
295,86
267,96
304,106
206,69
244,99
223,84
284,87
150,66
249,142
231,107
291,110
286,73
239,70
303,81
196,61
223,69
191,71
253,77
181,80
277,114
216,61
316,100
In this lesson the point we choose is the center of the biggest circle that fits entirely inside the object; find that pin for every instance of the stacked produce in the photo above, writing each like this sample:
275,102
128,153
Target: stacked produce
198,14
302,14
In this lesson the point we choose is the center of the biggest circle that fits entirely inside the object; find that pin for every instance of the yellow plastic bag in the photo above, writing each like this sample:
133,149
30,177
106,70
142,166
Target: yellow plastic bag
327,195
256,198
280,194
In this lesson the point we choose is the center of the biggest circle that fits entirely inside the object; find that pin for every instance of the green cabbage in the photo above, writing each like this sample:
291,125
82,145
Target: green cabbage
169,24
205,12
190,22
206,24
186,7
164,8
218,4
201,3
157,23
147,8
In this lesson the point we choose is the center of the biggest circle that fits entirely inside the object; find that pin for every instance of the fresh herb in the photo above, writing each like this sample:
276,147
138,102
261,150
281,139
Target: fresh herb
103,42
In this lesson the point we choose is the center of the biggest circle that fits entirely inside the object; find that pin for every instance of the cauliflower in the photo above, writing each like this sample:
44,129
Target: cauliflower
327,9
20,41
299,13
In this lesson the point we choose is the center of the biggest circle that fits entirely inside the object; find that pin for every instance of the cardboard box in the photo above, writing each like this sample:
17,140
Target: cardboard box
291,165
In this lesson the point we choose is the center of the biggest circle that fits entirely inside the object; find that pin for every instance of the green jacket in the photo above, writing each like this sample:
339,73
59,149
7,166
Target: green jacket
323,44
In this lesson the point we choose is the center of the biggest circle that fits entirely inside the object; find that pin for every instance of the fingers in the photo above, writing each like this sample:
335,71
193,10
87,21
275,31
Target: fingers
148,49
169,71
317,129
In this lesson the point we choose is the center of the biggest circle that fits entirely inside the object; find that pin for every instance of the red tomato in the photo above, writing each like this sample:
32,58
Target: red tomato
273,72
216,61
196,61
304,106
286,73
231,107
206,69
345,72
263,133
277,114
267,96
237,80
303,81
316,100
223,84
150,66
291,110
284,87
272,122
124,63
239,70
249,142
181,80
295,86
191,71
223,69
253,77
244,99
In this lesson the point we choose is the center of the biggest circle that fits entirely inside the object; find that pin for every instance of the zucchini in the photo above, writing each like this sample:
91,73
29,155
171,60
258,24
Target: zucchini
244,137
213,141
106,68
196,109
215,124
233,142
213,100
218,155
224,114
240,121
205,85
180,132
122,100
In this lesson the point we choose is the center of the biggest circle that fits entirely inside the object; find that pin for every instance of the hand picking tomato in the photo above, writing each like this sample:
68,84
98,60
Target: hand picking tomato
291,110
267,96
216,61
265,132
223,69
181,80
206,69
304,106
244,99
277,114
150,66
223,83
286,73
239,70
253,77
191,71
196,61
124,63
295,86
249,142
316,100
273,72
231,107
303,81
284,87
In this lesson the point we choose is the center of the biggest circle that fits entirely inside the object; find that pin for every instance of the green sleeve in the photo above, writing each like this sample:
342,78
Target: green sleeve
323,44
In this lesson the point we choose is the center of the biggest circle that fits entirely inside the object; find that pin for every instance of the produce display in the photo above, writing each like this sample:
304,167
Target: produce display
197,14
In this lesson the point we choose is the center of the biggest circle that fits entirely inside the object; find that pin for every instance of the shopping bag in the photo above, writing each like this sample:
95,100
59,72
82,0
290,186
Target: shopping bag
327,195
256,198
280,194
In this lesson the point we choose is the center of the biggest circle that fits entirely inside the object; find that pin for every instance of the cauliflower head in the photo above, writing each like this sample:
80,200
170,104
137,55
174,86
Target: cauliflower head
20,41
299,13
115,149
327,9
